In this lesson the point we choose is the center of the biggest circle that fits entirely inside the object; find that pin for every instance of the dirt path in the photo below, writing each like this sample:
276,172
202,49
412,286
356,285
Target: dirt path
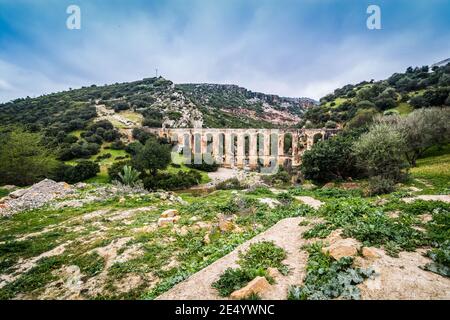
286,234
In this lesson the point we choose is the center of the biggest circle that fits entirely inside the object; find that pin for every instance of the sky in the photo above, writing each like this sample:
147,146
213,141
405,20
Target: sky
302,48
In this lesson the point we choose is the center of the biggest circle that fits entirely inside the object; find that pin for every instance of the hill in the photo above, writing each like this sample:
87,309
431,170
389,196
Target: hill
400,93
159,102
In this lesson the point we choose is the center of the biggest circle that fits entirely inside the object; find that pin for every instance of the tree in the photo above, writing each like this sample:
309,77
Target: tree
422,129
152,156
363,118
380,152
330,160
23,158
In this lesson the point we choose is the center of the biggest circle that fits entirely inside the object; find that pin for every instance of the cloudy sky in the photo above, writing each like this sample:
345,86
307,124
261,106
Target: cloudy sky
286,47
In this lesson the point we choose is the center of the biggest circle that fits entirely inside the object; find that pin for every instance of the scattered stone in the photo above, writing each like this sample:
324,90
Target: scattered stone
309,186
162,222
225,224
425,217
122,200
414,189
256,286
206,239
310,201
342,248
350,185
81,185
329,185
271,203
169,213
439,197
18,193
381,201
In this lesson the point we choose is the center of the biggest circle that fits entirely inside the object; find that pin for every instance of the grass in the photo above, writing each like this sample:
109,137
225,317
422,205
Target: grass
132,116
3,193
434,168
403,108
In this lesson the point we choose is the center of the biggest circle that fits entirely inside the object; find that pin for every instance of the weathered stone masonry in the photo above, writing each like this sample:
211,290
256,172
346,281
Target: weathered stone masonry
244,147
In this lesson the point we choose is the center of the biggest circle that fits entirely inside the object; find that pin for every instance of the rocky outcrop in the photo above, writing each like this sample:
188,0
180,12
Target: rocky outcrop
34,197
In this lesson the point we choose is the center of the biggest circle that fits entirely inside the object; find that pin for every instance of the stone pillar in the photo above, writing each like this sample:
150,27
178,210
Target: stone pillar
266,147
295,155
280,148
253,151
216,148
240,152
204,142
228,149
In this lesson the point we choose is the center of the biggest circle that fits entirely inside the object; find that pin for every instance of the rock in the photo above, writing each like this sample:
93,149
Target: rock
369,253
122,200
169,213
35,196
350,185
310,201
81,185
225,225
329,185
256,286
309,186
18,193
271,203
414,189
162,222
342,248
442,197
206,239
273,272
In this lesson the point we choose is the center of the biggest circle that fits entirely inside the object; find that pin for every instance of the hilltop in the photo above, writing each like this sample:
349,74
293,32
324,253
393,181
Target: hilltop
401,93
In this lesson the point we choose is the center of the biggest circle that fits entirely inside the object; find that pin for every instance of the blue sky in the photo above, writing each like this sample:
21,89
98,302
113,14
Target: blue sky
286,47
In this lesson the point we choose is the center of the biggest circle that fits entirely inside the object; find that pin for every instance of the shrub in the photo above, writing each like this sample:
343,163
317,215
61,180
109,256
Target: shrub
152,156
83,170
118,145
208,167
116,169
379,185
380,152
263,255
229,184
130,176
170,181
330,160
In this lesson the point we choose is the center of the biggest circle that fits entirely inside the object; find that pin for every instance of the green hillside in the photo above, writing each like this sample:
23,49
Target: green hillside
400,93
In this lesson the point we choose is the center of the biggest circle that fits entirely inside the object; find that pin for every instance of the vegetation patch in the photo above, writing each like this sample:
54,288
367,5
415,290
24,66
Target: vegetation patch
255,262
327,278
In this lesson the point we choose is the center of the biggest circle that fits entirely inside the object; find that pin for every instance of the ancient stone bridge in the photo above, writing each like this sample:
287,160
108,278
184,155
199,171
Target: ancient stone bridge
244,147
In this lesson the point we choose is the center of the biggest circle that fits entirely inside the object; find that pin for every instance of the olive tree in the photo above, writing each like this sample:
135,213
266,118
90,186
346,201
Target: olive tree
421,129
380,152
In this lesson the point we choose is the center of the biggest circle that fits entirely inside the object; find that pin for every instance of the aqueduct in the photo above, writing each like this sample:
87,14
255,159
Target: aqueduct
244,147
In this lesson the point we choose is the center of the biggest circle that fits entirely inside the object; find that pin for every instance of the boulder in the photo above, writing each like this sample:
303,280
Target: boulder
273,273
162,222
18,193
256,286
169,213
225,225
329,185
369,253
342,248
271,203
8,187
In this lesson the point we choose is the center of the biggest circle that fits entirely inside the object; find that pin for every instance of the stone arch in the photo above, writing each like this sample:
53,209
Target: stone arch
287,144
317,137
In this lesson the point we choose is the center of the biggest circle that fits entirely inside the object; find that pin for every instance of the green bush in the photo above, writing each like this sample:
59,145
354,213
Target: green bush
229,184
211,167
331,159
171,181
82,171
379,185
234,279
